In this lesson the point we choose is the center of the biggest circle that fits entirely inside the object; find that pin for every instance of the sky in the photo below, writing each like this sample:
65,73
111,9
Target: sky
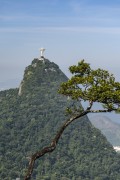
69,30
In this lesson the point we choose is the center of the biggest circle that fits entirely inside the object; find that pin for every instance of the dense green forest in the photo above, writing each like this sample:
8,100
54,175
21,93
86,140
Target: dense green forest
29,118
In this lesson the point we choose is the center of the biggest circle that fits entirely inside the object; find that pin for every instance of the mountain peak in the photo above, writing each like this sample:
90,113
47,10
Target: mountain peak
41,71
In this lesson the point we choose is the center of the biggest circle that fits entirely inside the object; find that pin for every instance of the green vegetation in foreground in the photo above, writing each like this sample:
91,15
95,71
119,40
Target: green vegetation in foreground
29,121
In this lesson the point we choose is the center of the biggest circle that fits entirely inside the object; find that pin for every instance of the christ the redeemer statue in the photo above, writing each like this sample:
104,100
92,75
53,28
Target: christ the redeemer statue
41,52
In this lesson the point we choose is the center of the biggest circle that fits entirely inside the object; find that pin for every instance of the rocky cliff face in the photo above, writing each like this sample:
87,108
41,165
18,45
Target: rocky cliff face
29,119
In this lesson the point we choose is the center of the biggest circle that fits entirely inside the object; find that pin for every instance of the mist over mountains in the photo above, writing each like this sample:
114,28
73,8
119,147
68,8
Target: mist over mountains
109,128
10,83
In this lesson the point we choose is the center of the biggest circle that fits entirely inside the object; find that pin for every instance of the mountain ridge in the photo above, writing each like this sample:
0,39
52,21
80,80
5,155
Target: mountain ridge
30,118
109,128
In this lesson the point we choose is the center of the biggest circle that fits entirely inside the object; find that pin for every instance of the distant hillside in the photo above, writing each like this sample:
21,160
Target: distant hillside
109,128
29,118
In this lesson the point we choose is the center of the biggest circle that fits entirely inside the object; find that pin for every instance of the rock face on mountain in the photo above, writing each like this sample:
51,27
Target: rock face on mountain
109,128
29,118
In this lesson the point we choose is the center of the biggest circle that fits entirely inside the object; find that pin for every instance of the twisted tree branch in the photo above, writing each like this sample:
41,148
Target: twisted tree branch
102,110
52,146
54,142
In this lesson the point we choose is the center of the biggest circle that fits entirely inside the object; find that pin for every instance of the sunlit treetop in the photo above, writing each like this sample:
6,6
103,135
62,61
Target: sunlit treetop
92,86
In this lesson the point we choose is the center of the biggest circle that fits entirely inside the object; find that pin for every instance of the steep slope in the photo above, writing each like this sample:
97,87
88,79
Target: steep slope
109,128
29,119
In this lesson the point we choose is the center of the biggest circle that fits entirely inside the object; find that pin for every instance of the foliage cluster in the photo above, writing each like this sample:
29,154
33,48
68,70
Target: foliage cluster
91,85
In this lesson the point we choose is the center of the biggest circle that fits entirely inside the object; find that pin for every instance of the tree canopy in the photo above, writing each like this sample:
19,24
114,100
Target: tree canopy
92,86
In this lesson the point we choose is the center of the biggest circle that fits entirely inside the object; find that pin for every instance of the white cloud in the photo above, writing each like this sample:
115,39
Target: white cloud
20,17
105,30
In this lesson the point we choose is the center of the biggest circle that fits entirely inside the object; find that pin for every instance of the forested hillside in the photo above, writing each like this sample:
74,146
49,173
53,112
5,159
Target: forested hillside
29,118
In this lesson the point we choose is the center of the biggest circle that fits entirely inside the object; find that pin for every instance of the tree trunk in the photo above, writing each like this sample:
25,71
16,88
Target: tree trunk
52,146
